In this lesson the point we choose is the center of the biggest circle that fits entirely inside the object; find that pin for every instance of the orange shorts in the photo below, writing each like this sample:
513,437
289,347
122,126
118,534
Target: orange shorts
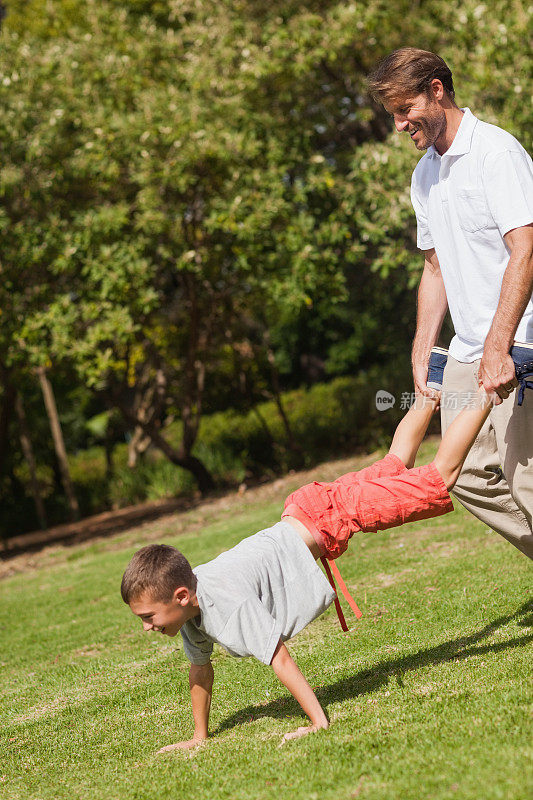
381,496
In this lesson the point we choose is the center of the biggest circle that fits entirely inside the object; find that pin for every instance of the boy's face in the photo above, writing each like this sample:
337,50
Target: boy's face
162,617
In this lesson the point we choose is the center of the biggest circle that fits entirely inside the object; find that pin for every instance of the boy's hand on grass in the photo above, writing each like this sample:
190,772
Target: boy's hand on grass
187,745
304,730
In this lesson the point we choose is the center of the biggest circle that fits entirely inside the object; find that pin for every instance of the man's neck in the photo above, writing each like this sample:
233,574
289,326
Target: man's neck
454,115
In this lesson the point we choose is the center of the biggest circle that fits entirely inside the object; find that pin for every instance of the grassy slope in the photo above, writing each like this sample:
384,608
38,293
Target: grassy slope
429,693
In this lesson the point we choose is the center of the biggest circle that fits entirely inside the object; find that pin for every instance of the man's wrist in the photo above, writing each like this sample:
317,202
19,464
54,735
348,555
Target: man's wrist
496,350
499,340
420,352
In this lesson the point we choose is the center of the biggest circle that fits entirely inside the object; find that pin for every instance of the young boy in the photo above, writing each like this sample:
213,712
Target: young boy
254,597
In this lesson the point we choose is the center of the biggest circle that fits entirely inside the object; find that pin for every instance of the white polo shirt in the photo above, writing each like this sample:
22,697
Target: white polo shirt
465,202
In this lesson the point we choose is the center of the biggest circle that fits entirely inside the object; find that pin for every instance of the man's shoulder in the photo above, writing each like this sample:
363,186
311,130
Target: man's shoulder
491,138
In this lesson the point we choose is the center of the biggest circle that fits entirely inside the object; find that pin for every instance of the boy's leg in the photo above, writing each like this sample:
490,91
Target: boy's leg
387,466
349,504
412,429
460,437
339,509
420,493
408,435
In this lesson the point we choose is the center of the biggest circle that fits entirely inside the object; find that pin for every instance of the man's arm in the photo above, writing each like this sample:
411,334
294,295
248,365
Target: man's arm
432,307
201,685
496,371
291,677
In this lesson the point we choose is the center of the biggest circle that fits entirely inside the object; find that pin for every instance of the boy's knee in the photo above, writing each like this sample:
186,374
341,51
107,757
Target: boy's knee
448,474
451,480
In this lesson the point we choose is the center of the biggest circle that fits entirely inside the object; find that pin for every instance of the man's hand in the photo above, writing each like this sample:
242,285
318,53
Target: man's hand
497,374
420,376
188,745
305,730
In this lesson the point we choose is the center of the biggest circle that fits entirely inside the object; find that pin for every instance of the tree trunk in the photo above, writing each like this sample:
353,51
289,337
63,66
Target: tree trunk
294,446
264,424
27,449
59,444
5,413
178,457
194,465
109,446
137,446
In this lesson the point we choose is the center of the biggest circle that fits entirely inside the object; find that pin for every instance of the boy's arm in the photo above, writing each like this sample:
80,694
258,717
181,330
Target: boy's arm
201,685
291,677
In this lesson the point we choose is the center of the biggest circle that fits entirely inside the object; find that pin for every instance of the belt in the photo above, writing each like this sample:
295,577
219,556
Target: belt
330,567
523,362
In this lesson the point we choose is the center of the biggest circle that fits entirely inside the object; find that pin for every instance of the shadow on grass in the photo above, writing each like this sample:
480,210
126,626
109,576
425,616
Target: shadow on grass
370,680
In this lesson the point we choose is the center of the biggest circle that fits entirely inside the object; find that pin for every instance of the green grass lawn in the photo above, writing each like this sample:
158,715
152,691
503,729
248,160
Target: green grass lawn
429,694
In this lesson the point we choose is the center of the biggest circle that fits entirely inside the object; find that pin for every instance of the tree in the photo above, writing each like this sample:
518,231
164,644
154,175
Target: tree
182,180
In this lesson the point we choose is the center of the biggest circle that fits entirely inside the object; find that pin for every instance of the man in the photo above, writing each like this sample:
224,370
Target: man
472,193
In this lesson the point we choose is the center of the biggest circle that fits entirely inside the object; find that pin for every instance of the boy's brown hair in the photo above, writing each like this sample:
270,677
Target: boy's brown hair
408,72
158,569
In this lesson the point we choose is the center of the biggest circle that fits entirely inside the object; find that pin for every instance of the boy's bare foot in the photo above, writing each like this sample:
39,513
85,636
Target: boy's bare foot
188,745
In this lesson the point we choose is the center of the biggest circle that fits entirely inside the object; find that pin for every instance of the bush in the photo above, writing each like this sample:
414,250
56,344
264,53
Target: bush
154,478
327,421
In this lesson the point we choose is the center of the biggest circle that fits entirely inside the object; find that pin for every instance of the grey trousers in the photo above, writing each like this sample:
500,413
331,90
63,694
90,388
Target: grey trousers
496,482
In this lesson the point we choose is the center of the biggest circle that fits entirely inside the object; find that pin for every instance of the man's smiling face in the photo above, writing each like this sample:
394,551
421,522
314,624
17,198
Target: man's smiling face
166,618
422,117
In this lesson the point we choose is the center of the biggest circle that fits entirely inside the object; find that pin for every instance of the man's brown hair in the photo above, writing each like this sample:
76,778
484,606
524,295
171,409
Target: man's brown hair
158,569
408,72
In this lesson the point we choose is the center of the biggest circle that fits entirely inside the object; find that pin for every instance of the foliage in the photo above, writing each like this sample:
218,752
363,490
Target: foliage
327,420
198,196
150,480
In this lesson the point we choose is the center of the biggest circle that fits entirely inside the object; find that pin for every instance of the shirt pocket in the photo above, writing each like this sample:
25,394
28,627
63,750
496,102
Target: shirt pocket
472,210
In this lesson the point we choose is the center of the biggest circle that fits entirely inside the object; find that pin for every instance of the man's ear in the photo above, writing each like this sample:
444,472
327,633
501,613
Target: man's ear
436,89
181,595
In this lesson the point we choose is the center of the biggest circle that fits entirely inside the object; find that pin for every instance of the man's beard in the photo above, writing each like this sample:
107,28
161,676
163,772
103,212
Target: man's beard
430,131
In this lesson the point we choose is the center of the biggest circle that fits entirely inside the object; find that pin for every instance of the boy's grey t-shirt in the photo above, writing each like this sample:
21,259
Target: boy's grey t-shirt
265,589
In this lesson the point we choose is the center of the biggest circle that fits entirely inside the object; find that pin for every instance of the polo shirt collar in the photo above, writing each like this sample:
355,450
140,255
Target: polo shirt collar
462,140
